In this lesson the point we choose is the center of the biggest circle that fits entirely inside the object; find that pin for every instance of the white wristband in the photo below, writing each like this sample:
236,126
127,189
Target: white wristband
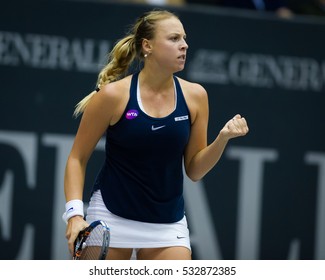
73,208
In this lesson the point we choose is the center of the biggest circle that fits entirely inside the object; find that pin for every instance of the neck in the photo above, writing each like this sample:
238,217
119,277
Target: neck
156,82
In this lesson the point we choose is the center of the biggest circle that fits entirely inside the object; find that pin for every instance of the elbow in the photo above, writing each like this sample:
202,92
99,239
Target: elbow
193,171
193,177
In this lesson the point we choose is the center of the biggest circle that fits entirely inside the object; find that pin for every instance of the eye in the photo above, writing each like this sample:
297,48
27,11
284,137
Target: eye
177,38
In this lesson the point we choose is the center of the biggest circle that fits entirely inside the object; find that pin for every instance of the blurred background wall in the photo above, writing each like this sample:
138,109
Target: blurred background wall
266,197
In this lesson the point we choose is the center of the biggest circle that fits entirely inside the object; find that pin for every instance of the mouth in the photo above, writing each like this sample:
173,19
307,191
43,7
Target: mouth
182,57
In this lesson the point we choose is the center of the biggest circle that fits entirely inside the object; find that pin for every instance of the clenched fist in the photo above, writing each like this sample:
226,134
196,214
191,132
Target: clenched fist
236,127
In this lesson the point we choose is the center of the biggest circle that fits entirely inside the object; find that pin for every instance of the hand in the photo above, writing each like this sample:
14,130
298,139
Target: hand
75,225
236,127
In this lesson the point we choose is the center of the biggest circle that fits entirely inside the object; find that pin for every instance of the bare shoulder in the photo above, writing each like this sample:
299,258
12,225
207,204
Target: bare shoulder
116,91
196,98
193,90
110,101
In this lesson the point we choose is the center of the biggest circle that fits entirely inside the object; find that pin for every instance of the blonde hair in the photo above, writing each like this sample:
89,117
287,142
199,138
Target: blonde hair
125,51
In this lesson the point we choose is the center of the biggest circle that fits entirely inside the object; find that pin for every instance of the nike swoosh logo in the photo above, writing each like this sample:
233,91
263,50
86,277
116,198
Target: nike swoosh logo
153,128
180,237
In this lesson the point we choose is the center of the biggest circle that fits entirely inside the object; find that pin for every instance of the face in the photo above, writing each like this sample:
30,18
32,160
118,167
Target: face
168,47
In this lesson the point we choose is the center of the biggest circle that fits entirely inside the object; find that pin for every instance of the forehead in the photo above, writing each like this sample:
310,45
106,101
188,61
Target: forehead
169,25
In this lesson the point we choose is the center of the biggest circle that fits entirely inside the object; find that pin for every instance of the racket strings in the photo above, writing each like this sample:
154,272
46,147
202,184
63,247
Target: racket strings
94,244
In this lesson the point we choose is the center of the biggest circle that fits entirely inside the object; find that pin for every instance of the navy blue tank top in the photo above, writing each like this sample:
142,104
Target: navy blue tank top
142,177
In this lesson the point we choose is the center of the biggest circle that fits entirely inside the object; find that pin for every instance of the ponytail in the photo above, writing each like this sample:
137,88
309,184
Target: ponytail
125,51
119,60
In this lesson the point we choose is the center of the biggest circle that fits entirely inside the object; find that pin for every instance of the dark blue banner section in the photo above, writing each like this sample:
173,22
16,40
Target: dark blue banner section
266,197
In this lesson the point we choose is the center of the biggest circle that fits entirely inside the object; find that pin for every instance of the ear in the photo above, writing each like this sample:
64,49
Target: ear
146,46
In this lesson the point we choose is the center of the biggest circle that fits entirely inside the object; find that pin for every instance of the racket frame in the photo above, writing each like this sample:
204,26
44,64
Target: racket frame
84,235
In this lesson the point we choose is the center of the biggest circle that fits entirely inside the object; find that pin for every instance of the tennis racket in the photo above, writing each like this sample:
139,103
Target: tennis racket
92,243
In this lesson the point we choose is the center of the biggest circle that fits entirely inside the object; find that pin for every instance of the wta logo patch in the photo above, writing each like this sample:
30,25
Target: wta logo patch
131,114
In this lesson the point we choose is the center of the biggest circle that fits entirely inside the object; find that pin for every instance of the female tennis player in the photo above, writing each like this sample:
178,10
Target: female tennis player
154,122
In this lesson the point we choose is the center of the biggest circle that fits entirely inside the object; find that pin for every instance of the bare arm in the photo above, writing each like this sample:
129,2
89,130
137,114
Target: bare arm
200,158
93,124
99,114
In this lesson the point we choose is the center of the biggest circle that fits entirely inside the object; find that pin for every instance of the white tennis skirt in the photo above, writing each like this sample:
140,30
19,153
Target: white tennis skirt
127,233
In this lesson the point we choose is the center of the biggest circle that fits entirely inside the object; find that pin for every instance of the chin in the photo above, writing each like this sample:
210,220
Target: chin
181,67
178,70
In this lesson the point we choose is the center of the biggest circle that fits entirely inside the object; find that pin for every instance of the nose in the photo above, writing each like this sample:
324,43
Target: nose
184,45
